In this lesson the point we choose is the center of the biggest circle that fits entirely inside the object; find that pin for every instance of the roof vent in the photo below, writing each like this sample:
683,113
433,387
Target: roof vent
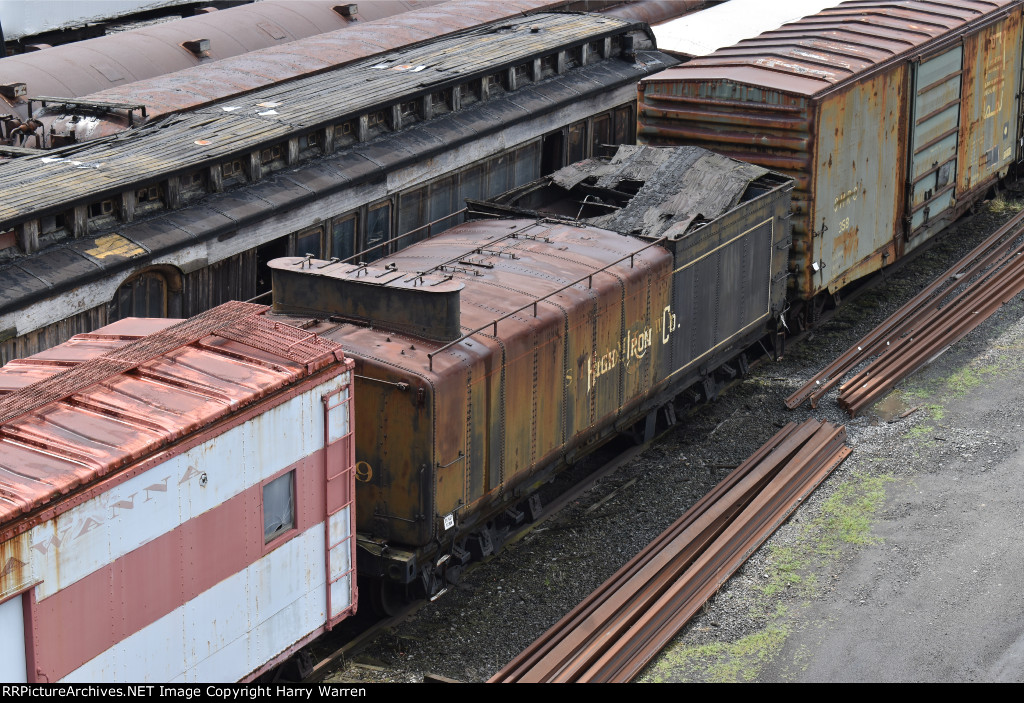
349,10
199,47
13,90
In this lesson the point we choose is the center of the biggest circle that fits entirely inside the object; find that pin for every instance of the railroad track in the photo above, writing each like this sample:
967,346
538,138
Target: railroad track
941,314
623,624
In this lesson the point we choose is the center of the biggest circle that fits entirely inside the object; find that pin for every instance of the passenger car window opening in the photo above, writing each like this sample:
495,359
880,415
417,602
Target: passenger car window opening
278,507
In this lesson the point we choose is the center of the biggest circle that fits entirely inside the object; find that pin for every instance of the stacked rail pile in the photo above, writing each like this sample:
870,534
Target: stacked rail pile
618,628
941,314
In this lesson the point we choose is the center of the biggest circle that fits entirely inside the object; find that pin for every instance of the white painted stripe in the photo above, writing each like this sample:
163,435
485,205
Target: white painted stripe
12,641
230,630
107,527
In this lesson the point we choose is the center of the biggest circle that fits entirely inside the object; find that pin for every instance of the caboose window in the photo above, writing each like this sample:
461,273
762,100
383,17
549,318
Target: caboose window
278,507
307,242
343,237
378,229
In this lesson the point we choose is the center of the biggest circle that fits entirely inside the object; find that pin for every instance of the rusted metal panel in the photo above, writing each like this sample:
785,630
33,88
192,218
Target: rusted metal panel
506,428
859,173
394,443
990,104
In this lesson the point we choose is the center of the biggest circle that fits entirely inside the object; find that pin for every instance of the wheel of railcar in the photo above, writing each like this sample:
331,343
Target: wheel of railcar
387,598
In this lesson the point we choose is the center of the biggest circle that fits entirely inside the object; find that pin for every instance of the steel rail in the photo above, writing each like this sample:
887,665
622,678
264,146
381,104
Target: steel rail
944,330
869,345
685,598
918,319
529,658
617,612
925,318
608,632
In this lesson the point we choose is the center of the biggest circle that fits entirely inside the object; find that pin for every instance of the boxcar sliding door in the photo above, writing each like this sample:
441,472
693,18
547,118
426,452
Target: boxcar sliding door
934,134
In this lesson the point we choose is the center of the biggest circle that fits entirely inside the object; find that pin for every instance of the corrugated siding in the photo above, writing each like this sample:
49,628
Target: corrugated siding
763,127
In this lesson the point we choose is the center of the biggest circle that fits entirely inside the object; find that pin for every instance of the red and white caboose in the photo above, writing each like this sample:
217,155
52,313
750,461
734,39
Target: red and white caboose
175,500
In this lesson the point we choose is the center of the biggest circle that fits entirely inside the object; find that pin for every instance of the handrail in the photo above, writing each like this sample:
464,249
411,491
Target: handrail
590,284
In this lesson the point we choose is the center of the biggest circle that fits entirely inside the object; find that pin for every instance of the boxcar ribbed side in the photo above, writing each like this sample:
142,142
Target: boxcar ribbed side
892,119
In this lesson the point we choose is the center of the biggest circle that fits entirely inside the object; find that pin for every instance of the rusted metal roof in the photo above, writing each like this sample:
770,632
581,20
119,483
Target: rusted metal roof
78,411
93,65
482,271
190,88
825,50
642,190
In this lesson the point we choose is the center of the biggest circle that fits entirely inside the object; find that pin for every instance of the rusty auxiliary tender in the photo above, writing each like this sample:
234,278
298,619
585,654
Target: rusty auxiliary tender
498,352
892,118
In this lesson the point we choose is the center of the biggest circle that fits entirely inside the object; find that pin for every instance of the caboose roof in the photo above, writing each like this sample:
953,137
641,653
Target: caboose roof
838,45
73,414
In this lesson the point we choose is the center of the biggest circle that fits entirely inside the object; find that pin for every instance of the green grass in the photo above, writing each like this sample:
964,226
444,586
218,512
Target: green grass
718,662
847,515
919,432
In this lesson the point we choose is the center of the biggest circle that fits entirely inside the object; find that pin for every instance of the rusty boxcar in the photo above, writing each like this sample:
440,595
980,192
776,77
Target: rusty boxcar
893,118
176,500
494,354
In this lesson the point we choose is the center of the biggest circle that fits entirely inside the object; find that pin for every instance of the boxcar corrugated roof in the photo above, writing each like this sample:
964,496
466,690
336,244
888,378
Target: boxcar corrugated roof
96,403
837,45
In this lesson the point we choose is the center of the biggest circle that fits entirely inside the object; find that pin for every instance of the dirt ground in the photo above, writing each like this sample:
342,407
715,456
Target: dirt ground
936,594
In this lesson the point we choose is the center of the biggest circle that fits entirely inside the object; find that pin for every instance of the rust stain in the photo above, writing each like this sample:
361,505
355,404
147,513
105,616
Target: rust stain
845,244
15,565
